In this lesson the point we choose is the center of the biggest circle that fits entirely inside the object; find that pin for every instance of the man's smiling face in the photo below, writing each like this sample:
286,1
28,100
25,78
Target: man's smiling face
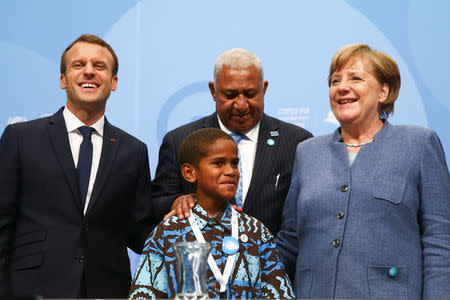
239,97
88,78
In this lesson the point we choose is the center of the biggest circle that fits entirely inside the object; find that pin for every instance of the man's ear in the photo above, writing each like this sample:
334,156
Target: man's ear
114,81
189,173
266,83
62,81
212,90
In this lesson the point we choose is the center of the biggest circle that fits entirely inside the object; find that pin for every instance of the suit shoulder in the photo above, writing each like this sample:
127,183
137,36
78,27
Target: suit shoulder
316,142
184,130
30,126
127,137
413,136
412,131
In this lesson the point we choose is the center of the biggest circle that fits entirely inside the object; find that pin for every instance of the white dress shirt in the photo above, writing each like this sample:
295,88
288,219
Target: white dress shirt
75,139
247,150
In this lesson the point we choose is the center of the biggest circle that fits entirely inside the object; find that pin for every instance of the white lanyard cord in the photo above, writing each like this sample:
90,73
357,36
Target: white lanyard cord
221,278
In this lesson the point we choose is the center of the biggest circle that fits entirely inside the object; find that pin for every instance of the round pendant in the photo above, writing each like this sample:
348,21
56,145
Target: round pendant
270,142
230,245
244,238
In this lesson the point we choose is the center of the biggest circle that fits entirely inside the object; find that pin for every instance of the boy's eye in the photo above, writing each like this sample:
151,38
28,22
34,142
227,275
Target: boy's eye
217,163
235,163
356,78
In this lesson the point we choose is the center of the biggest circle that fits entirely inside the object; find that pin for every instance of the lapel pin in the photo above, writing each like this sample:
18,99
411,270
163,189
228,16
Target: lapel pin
274,133
270,142
244,238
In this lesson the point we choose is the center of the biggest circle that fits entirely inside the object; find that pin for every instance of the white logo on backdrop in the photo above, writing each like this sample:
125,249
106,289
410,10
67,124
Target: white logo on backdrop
294,115
16,119
331,118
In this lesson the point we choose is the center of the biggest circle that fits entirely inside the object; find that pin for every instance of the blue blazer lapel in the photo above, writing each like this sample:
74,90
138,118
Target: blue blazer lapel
264,157
59,137
111,141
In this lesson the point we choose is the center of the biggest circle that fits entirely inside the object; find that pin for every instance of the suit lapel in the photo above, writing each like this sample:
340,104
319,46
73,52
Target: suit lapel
264,157
58,135
210,121
110,145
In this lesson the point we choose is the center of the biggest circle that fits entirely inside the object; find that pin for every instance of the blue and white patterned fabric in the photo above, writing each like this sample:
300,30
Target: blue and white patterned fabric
257,270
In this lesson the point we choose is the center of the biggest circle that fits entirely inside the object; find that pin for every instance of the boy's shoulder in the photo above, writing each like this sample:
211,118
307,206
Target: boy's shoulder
251,226
173,222
171,226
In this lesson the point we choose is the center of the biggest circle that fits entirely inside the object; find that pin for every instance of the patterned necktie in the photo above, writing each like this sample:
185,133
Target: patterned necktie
85,161
237,137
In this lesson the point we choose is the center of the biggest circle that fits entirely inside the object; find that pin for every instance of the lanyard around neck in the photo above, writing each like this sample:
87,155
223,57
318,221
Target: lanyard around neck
221,278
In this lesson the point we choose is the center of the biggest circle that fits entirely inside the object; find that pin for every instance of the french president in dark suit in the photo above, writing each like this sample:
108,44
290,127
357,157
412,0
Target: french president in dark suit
266,147
71,204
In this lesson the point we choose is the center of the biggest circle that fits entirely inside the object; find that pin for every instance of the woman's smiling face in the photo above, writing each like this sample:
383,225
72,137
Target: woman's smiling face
356,95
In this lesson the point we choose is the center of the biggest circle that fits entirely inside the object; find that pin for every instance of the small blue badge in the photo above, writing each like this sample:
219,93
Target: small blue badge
270,142
274,133
393,272
230,245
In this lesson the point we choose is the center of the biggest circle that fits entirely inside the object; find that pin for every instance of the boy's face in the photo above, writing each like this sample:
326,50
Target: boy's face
217,174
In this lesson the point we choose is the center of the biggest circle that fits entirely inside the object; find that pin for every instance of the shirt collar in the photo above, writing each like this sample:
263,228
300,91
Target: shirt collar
251,135
203,218
337,138
73,123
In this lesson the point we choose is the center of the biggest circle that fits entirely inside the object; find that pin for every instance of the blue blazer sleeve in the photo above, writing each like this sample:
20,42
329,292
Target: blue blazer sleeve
434,192
286,238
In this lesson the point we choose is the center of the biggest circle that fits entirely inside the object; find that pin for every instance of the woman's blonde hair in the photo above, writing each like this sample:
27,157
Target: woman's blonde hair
381,65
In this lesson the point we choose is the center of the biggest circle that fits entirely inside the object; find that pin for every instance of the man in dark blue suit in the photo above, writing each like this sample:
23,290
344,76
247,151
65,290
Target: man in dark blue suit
266,145
74,190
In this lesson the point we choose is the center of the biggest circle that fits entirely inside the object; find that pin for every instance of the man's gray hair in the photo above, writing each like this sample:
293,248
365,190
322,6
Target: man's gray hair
238,58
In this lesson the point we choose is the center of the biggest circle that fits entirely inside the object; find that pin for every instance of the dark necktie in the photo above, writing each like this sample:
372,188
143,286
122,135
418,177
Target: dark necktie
84,161
237,137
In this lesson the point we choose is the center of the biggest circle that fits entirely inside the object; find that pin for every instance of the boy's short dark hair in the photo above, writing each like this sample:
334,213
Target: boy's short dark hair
196,145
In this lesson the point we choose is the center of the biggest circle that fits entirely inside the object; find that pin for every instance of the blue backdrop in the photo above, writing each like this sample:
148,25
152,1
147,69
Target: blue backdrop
167,51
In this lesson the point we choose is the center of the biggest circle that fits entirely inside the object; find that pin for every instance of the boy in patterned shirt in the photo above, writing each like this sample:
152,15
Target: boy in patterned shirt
209,159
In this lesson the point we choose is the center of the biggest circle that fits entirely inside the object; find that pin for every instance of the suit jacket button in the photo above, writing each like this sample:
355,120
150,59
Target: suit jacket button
86,226
344,188
80,259
340,214
335,243
393,272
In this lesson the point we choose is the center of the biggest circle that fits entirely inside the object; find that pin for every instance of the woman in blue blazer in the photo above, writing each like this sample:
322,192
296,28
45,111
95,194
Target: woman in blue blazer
368,211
